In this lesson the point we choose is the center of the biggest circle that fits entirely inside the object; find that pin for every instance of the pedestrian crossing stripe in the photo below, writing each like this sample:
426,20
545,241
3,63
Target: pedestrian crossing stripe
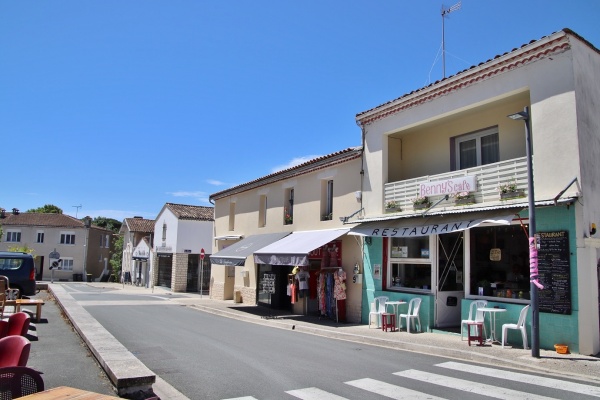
313,393
519,377
389,390
468,386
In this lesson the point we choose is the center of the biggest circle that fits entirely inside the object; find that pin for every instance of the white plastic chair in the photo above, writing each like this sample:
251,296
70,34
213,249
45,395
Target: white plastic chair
474,316
520,325
377,308
412,315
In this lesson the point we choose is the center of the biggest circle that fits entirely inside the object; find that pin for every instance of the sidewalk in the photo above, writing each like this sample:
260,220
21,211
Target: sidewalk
440,344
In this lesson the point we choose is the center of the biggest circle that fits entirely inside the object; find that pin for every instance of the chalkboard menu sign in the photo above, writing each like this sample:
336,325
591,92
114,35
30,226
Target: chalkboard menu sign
554,272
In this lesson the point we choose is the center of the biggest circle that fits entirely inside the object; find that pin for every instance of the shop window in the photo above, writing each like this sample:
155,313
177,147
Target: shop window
477,148
499,262
409,264
327,200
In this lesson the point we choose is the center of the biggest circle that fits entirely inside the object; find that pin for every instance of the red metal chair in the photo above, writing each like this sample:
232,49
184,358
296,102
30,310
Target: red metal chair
16,382
18,324
14,351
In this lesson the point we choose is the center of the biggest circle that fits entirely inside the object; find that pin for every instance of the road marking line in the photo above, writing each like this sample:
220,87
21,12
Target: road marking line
389,390
314,393
529,379
468,386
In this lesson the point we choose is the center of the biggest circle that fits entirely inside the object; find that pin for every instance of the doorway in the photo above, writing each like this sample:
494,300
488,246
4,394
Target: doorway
449,289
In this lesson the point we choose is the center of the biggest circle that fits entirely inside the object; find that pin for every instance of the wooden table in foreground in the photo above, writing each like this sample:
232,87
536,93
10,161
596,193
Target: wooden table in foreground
66,392
38,303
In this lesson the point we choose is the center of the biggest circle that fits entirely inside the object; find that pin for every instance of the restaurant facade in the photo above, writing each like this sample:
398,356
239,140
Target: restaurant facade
446,209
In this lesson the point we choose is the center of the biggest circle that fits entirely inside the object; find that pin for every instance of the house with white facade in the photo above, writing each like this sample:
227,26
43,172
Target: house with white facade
138,234
183,236
280,239
446,206
83,248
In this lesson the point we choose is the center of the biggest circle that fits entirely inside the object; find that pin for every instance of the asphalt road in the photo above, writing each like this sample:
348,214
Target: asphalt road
210,357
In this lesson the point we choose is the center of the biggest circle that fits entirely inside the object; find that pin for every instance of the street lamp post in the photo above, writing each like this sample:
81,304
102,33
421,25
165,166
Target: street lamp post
535,315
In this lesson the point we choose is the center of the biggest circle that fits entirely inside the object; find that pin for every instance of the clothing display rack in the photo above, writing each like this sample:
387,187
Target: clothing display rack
330,290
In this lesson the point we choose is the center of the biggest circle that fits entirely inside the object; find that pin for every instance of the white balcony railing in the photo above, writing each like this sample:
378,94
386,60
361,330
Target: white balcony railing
489,177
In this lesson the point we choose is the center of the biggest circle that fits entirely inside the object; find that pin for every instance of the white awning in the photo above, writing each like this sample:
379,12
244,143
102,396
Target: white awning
294,249
433,224
237,253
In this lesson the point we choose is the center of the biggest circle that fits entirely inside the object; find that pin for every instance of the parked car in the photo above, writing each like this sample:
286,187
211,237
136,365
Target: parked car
19,268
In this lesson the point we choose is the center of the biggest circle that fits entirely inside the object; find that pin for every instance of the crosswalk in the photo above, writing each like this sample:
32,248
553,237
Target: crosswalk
555,388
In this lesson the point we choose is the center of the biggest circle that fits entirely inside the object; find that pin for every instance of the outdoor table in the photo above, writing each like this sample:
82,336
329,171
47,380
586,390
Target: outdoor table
66,392
38,303
492,311
395,304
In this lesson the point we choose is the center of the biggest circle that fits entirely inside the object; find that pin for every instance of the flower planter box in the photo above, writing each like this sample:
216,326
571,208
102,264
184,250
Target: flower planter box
512,195
465,201
393,209
422,206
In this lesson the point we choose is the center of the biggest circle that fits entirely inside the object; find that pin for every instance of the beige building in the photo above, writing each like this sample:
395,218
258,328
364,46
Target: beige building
446,205
84,248
292,218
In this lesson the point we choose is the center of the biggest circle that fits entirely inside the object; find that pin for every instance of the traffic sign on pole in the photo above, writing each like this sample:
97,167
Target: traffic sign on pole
202,254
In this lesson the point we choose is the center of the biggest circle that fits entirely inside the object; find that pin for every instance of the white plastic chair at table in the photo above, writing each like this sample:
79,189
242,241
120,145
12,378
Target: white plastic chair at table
520,325
377,308
412,315
474,316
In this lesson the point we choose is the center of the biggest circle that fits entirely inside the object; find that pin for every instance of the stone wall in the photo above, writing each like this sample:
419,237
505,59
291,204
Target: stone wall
217,290
248,294
179,272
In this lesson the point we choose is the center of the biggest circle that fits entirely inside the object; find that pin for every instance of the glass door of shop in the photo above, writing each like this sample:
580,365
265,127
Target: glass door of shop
449,289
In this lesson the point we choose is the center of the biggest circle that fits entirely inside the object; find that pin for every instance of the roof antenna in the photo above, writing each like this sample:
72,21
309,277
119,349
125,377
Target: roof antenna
77,207
446,11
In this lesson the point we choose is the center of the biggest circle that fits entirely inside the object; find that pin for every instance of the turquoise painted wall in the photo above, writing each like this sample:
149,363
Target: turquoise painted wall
554,328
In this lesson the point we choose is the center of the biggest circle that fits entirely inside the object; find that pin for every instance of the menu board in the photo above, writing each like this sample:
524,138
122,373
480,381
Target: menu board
554,272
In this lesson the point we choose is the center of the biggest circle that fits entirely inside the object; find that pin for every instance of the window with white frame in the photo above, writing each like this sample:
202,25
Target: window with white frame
40,237
477,148
107,241
13,236
67,238
67,264
409,264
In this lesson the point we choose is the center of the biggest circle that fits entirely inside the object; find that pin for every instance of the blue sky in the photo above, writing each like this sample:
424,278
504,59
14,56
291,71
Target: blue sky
122,106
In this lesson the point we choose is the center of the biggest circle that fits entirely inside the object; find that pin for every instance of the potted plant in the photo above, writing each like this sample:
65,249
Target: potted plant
326,217
421,202
392,206
287,217
463,198
509,190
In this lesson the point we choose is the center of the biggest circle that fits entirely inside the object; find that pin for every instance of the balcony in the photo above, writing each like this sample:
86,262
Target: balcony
488,177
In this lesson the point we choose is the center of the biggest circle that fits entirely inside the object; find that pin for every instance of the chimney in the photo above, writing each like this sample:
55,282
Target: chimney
2,213
15,211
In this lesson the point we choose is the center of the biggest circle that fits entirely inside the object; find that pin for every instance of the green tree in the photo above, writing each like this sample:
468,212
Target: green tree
116,256
46,209
108,223
23,249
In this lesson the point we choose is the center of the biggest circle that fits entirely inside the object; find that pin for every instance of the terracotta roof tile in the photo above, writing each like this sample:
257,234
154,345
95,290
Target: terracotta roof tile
41,219
200,213
318,163
140,225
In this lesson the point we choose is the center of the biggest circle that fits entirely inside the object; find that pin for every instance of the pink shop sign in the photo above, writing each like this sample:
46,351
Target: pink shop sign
448,186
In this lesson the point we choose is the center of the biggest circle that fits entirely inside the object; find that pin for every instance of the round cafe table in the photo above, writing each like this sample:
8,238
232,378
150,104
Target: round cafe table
395,304
492,311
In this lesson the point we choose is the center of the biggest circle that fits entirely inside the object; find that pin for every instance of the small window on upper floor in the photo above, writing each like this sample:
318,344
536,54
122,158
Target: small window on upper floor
107,241
67,238
232,216
13,236
326,200
477,148
288,207
262,211
40,237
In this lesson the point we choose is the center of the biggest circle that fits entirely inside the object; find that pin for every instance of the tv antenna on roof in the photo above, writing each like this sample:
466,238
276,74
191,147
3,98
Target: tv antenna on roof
446,11
77,207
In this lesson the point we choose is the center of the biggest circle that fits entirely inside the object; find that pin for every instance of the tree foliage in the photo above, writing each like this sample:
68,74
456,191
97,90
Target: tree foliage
117,255
23,249
107,223
46,209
